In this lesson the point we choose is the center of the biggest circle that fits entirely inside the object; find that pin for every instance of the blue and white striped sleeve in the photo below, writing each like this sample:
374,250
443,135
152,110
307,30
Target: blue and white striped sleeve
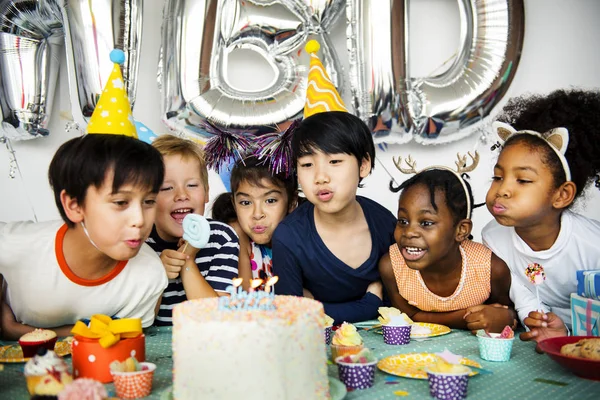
218,261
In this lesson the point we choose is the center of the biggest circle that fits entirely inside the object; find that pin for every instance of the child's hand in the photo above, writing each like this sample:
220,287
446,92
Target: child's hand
490,317
306,293
173,261
376,288
543,326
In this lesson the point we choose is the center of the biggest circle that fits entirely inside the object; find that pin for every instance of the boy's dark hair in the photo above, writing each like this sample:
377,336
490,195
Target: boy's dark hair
579,112
334,132
448,184
84,161
252,171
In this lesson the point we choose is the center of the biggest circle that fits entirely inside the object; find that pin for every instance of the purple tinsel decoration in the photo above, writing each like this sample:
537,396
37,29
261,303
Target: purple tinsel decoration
275,150
224,146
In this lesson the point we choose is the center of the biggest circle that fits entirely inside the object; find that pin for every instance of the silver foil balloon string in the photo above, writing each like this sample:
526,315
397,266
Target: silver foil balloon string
92,30
14,169
31,40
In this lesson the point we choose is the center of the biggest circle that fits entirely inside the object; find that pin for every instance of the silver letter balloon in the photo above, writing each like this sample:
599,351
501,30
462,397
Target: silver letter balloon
435,109
31,40
199,40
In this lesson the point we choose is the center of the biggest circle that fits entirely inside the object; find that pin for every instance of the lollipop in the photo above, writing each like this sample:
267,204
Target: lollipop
196,232
537,276
535,273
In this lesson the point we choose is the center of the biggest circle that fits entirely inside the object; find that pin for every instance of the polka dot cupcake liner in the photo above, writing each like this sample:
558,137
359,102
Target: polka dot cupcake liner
134,385
448,386
494,349
396,335
356,376
328,335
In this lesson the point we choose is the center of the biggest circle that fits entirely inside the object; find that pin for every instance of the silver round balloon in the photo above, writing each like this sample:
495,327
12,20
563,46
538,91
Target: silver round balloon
31,40
435,109
200,41
92,30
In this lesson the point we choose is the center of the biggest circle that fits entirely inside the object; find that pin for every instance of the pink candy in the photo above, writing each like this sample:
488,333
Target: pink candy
507,333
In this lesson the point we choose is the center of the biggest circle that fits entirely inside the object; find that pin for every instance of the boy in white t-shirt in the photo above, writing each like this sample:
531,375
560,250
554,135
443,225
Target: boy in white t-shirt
96,261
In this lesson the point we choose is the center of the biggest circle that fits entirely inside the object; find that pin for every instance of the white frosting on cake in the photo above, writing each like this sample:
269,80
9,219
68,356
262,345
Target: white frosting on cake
252,354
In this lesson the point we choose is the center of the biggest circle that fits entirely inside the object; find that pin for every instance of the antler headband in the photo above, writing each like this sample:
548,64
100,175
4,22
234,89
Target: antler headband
557,139
461,168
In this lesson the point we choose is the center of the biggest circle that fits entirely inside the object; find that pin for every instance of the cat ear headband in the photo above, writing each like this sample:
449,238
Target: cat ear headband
461,168
557,139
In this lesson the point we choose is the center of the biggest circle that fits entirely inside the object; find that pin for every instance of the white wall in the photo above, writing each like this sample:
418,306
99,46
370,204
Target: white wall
560,50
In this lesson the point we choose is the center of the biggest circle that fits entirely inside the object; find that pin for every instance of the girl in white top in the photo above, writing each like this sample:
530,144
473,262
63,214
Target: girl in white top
550,152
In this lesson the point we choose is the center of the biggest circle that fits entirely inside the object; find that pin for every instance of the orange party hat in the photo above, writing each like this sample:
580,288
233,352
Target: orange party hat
112,114
321,94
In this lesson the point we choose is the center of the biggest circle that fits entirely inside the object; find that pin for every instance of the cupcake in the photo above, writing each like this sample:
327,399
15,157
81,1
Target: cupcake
84,389
496,346
133,380
346,341
448,378
387,313
38,338
396,331
46,373
357,371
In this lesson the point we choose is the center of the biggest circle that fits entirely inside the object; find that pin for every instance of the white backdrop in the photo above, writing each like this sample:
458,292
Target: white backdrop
560,50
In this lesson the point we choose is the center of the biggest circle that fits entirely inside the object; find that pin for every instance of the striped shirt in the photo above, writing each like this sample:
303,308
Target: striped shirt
473,289
218,264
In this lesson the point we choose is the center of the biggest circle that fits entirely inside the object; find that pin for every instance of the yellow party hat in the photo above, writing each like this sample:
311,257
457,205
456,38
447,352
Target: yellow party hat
112,114
321,94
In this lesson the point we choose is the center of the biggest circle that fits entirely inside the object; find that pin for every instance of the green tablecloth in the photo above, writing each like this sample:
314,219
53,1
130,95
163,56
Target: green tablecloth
510,380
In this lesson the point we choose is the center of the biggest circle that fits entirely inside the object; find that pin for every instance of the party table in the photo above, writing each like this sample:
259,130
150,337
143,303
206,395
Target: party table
527,375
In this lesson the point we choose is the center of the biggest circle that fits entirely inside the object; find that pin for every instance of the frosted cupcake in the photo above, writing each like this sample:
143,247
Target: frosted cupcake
84,389
46,373
32,341
357,371
448,378
346,341
396,331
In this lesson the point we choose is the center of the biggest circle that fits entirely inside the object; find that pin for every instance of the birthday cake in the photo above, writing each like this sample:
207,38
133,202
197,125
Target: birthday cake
276,353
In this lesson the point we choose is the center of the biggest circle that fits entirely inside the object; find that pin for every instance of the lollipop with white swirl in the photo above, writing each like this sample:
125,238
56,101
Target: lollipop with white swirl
196,232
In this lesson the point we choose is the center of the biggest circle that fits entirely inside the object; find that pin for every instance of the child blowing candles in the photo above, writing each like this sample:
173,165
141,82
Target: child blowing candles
331,244
550,153
94,261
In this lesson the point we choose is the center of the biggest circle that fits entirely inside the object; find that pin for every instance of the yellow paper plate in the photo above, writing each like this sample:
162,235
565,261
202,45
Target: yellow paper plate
412,365
436,330
14,354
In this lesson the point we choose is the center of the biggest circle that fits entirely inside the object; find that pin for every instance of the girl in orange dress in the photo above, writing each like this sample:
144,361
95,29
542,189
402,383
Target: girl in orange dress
434,272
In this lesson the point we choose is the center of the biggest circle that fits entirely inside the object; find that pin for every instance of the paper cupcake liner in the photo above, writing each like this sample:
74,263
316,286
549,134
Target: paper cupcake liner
356,376
495,349
30,348
328,335
340,351
448,386
133,385
396,335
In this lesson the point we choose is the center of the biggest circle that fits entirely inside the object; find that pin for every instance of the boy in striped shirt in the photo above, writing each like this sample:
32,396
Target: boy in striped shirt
185,191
